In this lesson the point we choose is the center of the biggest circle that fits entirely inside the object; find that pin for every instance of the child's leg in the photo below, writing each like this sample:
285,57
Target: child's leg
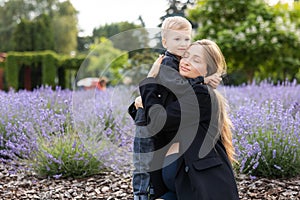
142,155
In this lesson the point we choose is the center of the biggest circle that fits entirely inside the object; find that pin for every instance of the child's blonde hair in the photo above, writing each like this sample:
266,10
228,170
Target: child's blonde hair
176,23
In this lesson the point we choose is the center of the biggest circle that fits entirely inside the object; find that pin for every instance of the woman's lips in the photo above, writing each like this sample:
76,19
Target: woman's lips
184,69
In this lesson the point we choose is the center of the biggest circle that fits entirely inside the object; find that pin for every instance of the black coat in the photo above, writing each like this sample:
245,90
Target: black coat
170,87
201,174
170,82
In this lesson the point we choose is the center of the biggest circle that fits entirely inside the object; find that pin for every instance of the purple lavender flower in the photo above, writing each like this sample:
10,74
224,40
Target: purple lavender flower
57,176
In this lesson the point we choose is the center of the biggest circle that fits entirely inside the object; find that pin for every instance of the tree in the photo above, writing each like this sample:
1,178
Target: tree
22,36
291,65
65,26
83,43
62,19
140,64
33,35
253,38
11,13
177,8
124,35
105,60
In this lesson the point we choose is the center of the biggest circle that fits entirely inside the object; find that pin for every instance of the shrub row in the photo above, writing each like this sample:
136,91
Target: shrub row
49,63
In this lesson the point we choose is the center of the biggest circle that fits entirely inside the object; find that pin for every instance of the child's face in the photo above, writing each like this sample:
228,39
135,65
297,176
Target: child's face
176,42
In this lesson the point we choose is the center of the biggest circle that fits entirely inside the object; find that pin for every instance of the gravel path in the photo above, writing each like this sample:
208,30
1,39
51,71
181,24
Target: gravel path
109,186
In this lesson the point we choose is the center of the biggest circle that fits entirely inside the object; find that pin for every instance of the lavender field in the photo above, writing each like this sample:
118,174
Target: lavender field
62,133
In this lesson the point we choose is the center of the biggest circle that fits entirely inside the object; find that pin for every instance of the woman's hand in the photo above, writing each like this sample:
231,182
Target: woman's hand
138,102
155,67
213,80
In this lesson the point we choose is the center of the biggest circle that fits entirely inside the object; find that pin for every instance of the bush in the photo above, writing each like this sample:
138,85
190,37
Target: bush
39,127
64,155
74,134
267,129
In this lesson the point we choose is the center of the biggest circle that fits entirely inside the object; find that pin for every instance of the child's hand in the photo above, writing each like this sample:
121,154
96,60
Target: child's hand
155,67
213,80
138,102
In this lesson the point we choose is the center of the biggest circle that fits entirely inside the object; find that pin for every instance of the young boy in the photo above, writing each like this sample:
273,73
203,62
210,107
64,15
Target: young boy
143,148
176,37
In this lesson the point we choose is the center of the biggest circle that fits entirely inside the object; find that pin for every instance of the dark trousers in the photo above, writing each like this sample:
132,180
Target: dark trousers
168,174
143,148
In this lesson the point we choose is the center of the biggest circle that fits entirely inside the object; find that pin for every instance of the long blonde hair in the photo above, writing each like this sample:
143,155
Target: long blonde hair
216,64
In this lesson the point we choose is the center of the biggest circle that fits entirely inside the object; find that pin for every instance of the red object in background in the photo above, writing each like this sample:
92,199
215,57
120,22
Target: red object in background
92,83
100,86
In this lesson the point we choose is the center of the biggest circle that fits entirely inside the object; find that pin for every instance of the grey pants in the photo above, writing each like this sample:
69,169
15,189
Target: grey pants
143,149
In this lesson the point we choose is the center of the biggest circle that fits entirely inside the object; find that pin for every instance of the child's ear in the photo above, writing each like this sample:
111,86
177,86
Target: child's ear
164,43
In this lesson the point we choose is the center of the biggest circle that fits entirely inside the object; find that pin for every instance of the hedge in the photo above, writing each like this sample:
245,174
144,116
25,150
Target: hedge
52,65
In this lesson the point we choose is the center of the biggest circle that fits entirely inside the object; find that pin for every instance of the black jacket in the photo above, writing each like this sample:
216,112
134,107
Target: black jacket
202,173
170,86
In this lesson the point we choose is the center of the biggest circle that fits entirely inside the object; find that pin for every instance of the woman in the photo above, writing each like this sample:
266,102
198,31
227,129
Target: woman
199,122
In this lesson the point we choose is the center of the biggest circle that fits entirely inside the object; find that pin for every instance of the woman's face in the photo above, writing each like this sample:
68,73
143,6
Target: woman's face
193,64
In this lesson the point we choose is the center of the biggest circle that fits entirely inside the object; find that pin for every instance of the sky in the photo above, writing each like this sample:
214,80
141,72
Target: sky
95,13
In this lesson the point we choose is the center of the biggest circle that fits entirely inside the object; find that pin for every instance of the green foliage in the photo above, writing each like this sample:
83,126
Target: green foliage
83,43
12,68
22,36
11,12
275,156
16,60
65,25
67,69
287,62
68,62
42,33
68,78
105,60
48,61
177,8
38,25
64,156
254,38
112,29
49,69
140,64
124,35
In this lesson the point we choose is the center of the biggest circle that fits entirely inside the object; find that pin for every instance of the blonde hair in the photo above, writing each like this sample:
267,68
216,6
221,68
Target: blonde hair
175,23
216,64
